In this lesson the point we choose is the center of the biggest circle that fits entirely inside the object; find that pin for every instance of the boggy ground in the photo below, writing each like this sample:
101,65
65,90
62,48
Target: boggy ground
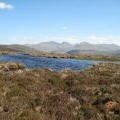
42,94
79,56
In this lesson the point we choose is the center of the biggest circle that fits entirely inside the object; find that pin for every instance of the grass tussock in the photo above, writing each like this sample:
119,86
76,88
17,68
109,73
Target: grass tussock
41,94
10,66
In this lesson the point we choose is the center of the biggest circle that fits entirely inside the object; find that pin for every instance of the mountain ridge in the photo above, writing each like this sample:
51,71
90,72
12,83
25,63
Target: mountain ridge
81,48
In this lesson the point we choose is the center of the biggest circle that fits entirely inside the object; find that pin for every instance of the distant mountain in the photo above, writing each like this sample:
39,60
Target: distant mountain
15,48
45,46
117,52
81,48
52,47
97,47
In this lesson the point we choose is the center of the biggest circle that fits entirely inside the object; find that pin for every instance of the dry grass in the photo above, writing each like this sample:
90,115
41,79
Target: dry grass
41,94
80,56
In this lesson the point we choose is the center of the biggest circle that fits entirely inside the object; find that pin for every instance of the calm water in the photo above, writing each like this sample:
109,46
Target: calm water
52,63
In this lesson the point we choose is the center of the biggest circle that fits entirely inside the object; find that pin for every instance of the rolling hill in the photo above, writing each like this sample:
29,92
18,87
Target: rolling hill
15,48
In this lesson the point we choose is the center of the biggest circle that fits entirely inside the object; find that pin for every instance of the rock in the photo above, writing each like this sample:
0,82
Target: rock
112,105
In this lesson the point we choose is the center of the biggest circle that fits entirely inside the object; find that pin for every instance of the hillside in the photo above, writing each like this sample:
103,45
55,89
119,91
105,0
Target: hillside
42,94
15,48
6,48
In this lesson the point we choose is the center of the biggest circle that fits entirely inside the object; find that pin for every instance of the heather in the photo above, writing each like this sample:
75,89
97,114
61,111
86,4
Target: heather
43,94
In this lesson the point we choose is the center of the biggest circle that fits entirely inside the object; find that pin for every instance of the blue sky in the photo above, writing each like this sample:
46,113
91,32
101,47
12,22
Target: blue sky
74,21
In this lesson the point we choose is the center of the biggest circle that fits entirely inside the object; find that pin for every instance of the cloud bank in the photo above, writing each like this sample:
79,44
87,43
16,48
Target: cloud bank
94,39
4,6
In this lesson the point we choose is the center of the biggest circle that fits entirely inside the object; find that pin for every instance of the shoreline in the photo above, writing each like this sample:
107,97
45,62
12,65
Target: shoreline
67,56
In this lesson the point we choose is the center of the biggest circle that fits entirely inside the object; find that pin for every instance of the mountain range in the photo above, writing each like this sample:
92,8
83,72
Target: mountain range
65,47
79,48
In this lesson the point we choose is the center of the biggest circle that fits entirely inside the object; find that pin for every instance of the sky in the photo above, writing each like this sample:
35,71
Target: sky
74,21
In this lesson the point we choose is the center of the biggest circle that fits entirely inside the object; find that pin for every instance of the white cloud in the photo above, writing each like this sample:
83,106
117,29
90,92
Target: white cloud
5,6
94,39
103,39
25,40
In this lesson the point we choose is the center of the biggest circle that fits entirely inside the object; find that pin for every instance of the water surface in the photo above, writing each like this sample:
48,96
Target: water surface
51,63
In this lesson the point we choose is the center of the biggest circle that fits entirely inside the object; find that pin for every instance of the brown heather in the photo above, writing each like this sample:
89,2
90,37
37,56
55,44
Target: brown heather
42,94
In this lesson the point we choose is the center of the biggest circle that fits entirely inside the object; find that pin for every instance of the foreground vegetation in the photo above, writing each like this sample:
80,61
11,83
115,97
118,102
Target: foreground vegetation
42,94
